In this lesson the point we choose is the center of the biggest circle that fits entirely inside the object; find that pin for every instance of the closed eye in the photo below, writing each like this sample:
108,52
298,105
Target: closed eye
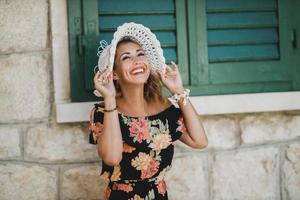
125,57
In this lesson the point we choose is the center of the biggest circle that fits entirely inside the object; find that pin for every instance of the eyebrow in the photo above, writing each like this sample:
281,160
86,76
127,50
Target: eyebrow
129,52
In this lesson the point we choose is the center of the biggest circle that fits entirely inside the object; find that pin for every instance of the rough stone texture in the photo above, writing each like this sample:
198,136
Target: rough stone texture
24,25
9,143
250,174
187,178
291,172
27,183
269,127
59,143
24,87
222,133
82,183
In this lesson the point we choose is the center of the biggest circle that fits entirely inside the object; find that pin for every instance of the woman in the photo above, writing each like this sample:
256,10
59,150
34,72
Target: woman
135,125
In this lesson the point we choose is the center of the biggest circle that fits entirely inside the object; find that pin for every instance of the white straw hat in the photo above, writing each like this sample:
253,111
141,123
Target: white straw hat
143,36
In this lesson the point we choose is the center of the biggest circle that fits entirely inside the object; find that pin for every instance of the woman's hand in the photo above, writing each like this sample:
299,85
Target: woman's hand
103,82
171,79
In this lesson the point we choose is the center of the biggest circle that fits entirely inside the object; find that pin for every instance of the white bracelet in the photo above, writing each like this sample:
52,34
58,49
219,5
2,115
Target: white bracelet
97,93
176,98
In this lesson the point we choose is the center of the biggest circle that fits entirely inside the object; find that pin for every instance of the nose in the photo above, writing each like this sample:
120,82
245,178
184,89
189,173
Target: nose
137,60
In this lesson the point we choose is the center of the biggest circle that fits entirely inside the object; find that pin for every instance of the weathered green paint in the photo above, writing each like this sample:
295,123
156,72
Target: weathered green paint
90,40
249,72
218,89
237,34
78,90
294,6
238,5
197,42
236,53
182,40
140,6
242,36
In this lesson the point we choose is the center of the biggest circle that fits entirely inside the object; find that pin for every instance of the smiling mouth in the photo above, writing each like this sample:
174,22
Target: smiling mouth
137,70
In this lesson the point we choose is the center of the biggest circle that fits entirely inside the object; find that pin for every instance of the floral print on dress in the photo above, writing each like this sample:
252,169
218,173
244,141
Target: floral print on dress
181,127
146,164
160,141
116,173
96,129
127,148
147,154
122,186
139,130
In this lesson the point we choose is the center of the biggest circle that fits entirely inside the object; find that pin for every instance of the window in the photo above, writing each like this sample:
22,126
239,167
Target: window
241,46
222,47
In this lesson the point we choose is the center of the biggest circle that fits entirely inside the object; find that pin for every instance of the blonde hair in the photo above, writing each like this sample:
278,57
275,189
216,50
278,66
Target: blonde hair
153,86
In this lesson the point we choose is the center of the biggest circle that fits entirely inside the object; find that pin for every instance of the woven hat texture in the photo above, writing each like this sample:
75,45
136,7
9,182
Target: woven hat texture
143,36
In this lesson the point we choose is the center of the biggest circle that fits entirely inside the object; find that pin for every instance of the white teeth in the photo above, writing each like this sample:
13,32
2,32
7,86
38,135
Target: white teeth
138,70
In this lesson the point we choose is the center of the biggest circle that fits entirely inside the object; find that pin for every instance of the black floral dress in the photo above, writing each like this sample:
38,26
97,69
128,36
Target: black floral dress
147,153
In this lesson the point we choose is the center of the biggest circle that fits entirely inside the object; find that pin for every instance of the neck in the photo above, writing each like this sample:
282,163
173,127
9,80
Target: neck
132,101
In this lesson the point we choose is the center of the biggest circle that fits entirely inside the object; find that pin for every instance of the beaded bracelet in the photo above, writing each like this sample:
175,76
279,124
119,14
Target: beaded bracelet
176,98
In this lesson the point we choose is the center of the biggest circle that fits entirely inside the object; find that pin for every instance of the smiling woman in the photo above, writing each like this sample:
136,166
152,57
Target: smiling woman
135,126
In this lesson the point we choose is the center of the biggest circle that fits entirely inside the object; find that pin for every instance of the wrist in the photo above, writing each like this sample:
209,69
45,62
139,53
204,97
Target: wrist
180,98
178,90
110,103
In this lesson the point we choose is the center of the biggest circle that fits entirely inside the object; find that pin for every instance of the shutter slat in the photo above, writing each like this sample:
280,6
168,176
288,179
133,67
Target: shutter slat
154,22
166,38
243,53
242,36
143,6
238,5
242,20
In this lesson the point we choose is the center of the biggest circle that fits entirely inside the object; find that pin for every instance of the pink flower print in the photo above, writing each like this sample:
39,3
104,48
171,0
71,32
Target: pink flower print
96,129
146,164
181,127
161,187
122,186
151,170
139,129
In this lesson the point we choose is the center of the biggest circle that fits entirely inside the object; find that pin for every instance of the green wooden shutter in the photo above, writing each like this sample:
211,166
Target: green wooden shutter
159,16
244,46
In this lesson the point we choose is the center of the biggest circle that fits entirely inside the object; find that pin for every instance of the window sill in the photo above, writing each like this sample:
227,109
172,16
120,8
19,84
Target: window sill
205,105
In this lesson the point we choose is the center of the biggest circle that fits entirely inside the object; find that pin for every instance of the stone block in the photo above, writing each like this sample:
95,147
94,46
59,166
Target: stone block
24,87
187,178
24,26
82,182
269,127
247,175
27,182
222,133
66,143
291,172
9,143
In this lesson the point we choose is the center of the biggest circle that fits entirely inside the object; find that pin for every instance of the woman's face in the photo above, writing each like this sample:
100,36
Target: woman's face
132,65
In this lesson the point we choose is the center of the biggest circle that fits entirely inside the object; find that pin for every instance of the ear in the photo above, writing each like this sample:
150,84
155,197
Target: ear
115,76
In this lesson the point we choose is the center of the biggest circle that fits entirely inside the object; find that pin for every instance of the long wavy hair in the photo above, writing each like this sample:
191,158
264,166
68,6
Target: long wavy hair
153,85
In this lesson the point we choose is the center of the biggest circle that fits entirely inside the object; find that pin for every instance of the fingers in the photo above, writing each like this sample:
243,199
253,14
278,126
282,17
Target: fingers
174,66
103,77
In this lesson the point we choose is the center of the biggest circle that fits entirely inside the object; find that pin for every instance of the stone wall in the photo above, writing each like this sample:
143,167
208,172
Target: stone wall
250,156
